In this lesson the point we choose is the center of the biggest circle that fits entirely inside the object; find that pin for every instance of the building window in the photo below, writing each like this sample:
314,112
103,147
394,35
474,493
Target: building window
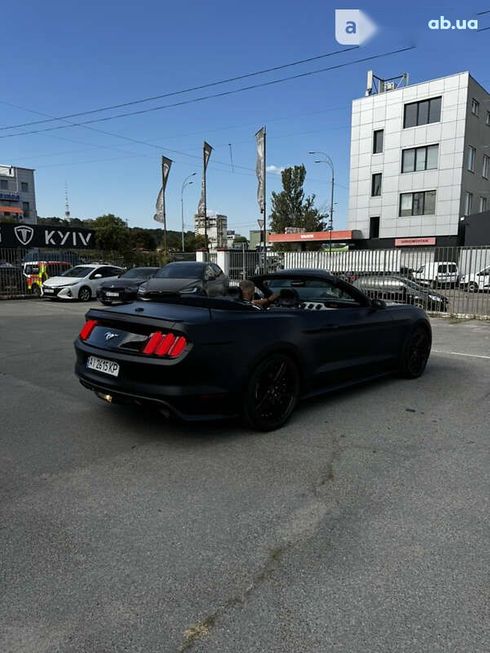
422,113
486,166
374,227
25,206
468,203
376,184
483,204
475,107
422,203
4,184
420,158
470,158
378,137
488,118
24,186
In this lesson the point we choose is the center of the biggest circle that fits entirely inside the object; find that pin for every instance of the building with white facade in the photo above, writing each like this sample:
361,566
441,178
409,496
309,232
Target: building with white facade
17,194
217,226
420,160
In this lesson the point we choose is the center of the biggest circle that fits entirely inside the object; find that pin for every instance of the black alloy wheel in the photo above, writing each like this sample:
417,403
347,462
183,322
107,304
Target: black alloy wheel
272,392
36,290
415,353
84,294
473,286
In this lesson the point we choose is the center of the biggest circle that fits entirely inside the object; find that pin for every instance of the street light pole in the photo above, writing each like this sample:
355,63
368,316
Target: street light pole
185,183
329,162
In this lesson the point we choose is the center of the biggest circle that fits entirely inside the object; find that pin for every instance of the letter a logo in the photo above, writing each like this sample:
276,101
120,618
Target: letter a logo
353,27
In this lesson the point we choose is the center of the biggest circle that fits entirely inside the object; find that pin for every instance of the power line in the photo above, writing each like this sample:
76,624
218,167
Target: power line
181,92
208,97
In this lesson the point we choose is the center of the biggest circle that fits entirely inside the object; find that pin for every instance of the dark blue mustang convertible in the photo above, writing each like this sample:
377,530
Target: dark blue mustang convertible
201,357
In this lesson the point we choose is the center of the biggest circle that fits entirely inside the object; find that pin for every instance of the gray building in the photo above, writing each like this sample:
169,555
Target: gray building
420,160
216,229
17,194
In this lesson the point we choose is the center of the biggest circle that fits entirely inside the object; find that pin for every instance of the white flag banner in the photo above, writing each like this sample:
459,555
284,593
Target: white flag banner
260,167
159,217
201,209
160,203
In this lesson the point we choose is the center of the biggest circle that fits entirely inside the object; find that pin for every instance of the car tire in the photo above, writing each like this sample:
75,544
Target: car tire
472,287
415,353
272,393
84,294
36,290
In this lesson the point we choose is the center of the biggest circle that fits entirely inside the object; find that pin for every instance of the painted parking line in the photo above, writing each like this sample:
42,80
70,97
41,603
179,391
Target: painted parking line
458,353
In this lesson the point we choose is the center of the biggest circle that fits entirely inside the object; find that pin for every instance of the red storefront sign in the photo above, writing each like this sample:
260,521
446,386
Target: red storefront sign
414,242
311,235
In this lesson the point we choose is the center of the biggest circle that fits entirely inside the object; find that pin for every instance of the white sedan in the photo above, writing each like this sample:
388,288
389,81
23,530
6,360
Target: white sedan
80,282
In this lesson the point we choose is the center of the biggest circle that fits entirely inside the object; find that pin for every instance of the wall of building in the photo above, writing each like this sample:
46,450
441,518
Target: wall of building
477,135
386,111
11,186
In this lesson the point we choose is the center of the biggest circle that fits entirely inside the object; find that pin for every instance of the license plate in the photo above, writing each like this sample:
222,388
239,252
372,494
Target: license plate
112,294
103,365
48,291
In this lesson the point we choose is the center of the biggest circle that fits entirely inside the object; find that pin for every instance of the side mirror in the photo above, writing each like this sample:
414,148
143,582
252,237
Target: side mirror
378,303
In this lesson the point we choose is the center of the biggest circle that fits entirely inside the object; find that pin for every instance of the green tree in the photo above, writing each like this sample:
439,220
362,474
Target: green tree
111,233
239,241
291,208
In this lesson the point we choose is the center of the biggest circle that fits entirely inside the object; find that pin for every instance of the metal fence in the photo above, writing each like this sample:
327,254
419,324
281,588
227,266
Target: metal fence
454,280
14,271
244,263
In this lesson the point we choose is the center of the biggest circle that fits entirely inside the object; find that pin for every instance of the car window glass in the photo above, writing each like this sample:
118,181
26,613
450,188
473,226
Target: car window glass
181,271
319,290
217,270
78,271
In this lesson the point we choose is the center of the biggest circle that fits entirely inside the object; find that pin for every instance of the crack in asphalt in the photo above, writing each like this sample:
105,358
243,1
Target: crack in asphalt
302,525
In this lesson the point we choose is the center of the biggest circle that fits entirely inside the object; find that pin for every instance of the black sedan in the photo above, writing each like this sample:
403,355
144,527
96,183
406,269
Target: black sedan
187,277
125,287
397,288
200,357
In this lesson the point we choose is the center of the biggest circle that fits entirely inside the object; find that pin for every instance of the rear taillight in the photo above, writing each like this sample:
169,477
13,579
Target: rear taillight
87,329
165,345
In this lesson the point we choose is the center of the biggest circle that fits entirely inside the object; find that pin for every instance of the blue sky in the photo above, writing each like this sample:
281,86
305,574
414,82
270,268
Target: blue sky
62,57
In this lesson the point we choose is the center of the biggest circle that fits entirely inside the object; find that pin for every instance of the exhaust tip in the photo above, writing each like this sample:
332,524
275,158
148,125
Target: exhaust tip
104,397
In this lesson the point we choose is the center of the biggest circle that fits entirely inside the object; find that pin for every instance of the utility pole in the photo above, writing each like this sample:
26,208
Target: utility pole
329,162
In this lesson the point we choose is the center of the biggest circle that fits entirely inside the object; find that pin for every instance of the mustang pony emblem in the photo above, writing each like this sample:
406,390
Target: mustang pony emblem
109,335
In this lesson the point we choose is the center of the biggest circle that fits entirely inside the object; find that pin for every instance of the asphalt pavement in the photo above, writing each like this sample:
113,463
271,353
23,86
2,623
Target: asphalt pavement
361,526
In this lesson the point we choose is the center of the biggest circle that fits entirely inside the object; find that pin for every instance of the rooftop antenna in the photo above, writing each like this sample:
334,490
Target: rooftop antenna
67,206
376,85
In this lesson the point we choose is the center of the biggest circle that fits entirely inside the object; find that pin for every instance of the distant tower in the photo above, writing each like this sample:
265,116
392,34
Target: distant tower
67,206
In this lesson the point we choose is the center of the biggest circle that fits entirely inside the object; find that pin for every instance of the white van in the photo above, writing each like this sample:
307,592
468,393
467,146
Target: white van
442,273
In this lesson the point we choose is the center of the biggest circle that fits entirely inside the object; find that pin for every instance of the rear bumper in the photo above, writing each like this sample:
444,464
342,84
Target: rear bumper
142,384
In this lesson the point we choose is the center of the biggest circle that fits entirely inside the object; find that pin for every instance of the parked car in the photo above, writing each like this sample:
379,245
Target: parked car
201,357
125,287
401,289
189,277
437,275
37,272
80,282
477,281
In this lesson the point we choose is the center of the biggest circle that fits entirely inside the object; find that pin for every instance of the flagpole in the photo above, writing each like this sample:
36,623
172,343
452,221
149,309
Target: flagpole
265,202
165,248
205,198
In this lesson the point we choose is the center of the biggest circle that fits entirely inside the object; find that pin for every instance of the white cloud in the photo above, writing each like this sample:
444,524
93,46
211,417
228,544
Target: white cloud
275,170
